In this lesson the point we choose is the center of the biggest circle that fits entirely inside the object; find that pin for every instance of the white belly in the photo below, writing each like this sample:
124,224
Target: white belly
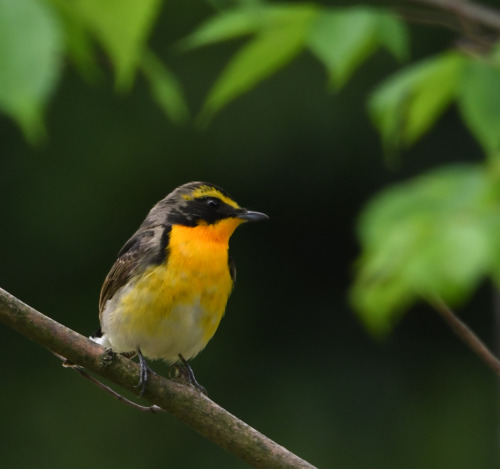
180,332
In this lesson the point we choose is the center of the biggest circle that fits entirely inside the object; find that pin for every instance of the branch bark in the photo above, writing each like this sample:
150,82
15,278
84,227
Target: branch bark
187,404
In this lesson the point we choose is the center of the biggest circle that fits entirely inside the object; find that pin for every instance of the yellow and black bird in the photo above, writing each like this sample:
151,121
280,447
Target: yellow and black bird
167,292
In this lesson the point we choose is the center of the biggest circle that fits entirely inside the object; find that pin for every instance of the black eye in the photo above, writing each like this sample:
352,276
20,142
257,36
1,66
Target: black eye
213,203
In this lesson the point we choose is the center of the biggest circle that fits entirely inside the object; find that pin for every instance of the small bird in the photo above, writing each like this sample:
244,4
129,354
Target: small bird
167,292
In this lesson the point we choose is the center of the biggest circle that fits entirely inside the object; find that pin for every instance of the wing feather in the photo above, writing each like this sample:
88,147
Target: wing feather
141,250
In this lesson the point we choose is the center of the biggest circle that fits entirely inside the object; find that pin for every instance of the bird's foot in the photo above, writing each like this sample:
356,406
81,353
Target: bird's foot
144,373
184,373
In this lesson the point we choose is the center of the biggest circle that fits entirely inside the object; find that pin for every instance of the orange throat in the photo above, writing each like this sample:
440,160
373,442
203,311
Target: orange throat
219,232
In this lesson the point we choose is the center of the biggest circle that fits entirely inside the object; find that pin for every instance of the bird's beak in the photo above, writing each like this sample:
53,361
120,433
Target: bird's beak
247,215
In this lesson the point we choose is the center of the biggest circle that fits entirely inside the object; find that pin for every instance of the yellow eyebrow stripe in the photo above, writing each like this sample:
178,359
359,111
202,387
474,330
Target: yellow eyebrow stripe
208,191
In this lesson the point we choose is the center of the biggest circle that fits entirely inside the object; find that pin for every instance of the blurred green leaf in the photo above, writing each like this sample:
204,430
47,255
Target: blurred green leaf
30,59
165,88
406,105
343,38
226,25
275,45
479,104
434,235
392,34
78,42
122,27
81,50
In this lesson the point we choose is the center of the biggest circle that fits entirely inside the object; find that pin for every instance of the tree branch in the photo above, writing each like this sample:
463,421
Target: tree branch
466,335
187,404
463,9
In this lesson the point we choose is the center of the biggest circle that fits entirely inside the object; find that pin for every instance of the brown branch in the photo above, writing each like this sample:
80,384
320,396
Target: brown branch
463,9
466,335
187,404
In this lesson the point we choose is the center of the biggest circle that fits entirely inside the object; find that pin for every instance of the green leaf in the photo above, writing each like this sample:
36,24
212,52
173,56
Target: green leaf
273,47
165,88
122,27
406,105
393,35
479,104
344,38
30,59
436,235
222,27
81,50
77,39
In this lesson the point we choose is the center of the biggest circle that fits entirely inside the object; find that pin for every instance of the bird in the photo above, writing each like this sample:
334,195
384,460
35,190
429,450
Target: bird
166,293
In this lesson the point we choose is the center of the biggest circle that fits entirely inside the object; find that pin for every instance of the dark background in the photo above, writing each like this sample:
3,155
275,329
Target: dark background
290,357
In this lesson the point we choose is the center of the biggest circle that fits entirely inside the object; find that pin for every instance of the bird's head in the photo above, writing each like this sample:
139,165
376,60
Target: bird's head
198,204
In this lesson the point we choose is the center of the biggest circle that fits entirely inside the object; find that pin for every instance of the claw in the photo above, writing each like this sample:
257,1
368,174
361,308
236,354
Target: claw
143,373
188,375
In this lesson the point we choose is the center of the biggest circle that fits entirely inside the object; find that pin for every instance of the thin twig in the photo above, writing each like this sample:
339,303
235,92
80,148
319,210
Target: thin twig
466,335
427,17
472,36
81,371
478,25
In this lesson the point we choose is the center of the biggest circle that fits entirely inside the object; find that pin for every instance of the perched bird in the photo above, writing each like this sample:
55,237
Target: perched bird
167,292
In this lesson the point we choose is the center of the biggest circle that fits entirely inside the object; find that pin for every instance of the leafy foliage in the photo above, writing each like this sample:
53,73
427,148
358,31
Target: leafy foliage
30,60
281,36
121,28
34,34
480,103
406,105
344,38
341,38
433,236
436,236
165,88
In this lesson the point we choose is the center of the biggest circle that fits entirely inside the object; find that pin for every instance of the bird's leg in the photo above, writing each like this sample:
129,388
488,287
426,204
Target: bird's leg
143,373
187,374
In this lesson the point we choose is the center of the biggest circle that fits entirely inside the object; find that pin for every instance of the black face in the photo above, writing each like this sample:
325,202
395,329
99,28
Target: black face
202,209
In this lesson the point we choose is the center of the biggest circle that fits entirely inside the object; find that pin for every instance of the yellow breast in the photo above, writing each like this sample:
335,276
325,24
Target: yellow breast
176,307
